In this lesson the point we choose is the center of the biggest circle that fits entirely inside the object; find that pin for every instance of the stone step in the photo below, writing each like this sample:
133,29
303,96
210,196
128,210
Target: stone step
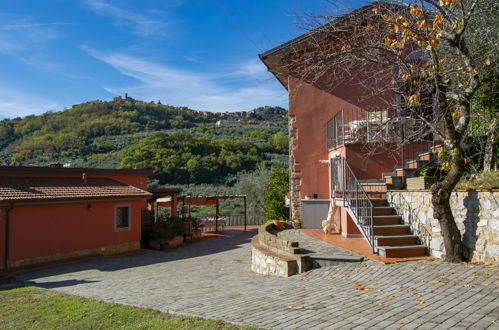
425,156
407,172
376,202
383,210
396,240
383,220
394,182
373,185
332,260
385,230
437,148
415,164
376,195
403,251
379,202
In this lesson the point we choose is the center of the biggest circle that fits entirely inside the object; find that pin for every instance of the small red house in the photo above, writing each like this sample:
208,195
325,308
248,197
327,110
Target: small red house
342,146
51,213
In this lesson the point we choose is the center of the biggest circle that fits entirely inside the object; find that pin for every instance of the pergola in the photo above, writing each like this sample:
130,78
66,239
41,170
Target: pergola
166,197
212,200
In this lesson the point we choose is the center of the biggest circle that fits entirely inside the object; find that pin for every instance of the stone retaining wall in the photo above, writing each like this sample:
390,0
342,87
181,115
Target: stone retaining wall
268,238
100,251
476,214
266,262
271,255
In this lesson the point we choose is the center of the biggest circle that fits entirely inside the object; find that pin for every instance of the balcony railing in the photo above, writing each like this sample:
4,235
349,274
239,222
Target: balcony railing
360,126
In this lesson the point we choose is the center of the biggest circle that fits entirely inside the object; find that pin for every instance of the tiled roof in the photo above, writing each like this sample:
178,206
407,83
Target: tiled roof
37,189
41,170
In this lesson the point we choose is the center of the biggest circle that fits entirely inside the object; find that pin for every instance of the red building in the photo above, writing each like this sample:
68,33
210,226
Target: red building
342,141
49,214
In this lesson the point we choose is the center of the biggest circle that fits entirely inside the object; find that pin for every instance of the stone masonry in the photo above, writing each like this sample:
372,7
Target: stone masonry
99,251
276,256
295,177
476,214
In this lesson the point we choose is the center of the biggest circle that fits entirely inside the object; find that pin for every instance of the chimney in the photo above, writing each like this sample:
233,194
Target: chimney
84,178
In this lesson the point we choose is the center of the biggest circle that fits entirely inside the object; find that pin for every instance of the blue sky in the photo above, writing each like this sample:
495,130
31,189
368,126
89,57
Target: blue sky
196,53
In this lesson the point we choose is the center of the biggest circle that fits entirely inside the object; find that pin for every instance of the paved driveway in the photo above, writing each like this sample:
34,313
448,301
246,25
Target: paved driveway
211,278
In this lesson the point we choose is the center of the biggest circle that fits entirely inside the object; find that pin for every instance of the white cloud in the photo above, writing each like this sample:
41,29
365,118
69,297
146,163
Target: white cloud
26,41
142,25
196,90
14,103
21,34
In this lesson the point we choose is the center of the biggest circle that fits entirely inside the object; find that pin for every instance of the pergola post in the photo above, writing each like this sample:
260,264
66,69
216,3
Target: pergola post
244,199
155,211
216,215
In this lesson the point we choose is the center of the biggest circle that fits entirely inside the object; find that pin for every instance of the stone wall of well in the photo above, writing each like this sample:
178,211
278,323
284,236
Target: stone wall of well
476,214
275,256
265,262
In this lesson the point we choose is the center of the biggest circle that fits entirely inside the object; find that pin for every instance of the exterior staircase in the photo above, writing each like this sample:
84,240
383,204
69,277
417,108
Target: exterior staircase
392,237
397,178
379,223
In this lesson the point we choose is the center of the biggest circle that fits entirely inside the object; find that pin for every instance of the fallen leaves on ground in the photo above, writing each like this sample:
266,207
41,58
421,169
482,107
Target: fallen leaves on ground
362,287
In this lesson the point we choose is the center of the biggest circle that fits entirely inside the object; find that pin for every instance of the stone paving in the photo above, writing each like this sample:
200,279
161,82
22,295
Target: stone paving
211,278
313,246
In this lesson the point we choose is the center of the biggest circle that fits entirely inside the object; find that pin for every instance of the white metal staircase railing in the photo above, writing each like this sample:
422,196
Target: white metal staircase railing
346,186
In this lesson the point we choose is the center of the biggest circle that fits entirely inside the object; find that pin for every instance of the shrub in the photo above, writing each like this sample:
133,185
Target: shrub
166,229
274,201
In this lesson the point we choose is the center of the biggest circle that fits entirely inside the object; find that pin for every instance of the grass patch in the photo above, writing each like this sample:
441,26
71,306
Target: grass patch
484,180
31,307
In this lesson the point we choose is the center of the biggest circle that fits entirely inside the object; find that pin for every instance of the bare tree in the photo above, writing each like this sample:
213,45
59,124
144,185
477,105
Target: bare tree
422,59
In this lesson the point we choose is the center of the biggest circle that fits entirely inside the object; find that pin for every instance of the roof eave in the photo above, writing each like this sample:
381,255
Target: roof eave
8,202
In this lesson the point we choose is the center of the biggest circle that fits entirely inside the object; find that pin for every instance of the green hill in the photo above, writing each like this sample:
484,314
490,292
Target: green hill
181,145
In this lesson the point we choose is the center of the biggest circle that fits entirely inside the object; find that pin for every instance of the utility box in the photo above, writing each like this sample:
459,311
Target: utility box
313,212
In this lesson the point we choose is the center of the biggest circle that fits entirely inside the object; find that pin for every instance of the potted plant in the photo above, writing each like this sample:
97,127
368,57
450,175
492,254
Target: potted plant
196,228
166,233
176,232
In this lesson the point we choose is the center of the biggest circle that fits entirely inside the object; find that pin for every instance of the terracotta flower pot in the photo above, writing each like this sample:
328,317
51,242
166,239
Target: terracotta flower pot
278,224
197,233
175,241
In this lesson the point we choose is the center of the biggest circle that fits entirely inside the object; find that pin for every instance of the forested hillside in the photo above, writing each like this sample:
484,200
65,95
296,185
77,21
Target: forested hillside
181,146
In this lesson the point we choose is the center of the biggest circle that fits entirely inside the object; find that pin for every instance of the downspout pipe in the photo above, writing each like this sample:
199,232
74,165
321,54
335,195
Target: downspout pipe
7,237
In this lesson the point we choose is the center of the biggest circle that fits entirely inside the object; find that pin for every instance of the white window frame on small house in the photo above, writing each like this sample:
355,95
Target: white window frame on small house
116,222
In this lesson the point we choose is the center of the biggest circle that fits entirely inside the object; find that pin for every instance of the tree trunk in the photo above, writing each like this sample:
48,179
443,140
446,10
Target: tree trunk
441,192
488,158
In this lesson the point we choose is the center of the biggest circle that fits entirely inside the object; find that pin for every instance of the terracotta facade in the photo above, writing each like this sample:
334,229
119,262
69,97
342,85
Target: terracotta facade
46,231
